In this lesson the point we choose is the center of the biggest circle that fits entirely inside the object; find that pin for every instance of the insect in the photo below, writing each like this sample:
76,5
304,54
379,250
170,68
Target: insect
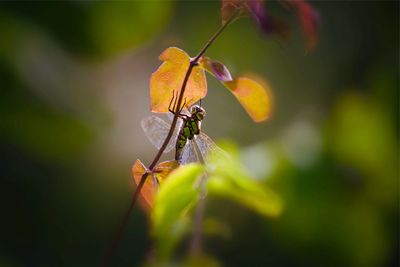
191,144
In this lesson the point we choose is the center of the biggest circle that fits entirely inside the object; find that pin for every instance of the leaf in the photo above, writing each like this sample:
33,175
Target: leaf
255,98
270,25
163,169
309,20
148,190
216,68
168,78
230,180
175,198
264,202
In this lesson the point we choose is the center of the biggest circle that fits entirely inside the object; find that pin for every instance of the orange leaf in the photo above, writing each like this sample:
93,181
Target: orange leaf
168,78
163,169
148,190
255,98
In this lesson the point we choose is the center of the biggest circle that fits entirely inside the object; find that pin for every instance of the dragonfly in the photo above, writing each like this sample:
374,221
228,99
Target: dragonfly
191,144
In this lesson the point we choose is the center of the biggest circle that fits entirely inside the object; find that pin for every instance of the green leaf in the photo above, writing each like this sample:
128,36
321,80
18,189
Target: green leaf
232,181
176,197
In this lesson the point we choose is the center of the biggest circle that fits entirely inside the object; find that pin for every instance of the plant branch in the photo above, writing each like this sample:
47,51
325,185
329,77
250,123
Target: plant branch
216,34
193,63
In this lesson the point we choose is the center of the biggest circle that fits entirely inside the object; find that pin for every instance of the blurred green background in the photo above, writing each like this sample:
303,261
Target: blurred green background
74,81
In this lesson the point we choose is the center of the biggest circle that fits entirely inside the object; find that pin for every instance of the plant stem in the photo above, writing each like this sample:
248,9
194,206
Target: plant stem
193,63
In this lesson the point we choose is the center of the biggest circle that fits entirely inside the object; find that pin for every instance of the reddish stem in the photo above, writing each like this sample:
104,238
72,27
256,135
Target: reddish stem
193,63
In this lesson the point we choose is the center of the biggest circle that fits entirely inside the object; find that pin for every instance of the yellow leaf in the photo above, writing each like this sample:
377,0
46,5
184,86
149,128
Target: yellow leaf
168,78
255,98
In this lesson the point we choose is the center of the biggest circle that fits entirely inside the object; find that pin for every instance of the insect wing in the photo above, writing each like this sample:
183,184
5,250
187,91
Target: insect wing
157,130
189,154
206,146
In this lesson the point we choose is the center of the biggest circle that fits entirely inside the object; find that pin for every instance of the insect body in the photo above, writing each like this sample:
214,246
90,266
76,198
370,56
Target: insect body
186,137
189,129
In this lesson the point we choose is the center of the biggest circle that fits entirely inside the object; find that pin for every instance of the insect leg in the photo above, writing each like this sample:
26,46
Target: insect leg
184,103
172,110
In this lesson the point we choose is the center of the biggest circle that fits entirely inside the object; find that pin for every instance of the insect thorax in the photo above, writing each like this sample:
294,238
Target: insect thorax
190,128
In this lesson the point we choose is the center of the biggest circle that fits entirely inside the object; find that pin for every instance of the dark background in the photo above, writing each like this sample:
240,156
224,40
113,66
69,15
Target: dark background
74,86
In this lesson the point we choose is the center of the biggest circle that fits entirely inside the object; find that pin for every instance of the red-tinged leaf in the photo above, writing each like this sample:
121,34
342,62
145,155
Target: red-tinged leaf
255,98
168,78
309,20
229,7
216,68
148,190
163,169
268,24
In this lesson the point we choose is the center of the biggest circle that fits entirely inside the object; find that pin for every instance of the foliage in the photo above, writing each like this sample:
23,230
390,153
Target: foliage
178,195
255,98
168,79
181,79
70,132
270,25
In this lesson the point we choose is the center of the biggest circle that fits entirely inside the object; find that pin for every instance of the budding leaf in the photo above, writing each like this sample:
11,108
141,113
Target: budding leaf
168,78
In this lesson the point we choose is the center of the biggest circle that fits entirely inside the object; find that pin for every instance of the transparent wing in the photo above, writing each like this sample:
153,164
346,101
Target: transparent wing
157,130
206,146
188,154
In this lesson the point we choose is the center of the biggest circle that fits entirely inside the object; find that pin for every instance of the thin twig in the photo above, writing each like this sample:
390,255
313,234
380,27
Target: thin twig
193,63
